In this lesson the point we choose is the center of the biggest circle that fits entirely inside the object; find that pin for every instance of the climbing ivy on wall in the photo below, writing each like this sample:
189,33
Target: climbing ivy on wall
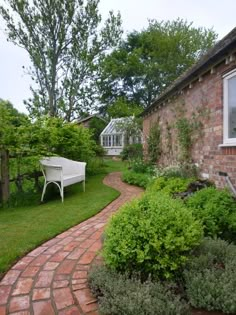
154,142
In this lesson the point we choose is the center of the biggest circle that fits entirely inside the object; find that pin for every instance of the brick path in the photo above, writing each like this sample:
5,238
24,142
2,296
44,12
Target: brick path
52,279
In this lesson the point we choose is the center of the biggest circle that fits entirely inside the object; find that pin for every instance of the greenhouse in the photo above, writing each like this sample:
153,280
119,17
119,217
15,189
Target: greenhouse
118,133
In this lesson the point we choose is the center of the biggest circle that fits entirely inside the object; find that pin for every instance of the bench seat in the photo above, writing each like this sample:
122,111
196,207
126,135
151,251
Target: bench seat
62,172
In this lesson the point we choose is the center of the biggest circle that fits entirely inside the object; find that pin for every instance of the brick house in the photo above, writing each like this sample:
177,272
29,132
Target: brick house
206,96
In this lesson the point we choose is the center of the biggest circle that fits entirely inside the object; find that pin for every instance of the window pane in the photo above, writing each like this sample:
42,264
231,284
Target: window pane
232,106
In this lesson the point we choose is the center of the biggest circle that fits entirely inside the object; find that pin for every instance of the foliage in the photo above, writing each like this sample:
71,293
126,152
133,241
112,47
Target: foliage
122,108
132,151
151,235
121,295
213,207
141,166
66,43
154,142
131,127
184,170
134,178
146,62
97,125
210,277
184,135
170,185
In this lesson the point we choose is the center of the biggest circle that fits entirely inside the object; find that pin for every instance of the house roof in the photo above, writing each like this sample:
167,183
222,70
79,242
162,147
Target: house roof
89,117
216,54
115,125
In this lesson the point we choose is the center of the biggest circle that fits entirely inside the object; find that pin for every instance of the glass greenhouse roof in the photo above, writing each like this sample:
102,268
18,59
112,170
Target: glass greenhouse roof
115,126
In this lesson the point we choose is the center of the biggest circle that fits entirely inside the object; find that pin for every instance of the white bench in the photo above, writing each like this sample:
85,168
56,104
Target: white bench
62,172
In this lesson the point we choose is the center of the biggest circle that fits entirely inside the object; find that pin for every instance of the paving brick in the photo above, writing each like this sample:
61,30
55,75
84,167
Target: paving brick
41,294
70,311
87,243
37,251
86,301
77,253
87,258
21,313
43,308
4,293
23,263
39,261
72,245
66,267
60,284
44,279
96,246
50,265
58,257
63,298
53,249
23,286
80,274
10,277
30,271
66,240
19,303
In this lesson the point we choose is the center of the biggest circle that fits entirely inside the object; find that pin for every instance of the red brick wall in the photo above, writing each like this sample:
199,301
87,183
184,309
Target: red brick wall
204,96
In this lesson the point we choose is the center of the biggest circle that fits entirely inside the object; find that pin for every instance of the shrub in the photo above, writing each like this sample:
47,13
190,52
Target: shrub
170,185
121,295
210,277
137,179
213,207
140,166
132,151
151,235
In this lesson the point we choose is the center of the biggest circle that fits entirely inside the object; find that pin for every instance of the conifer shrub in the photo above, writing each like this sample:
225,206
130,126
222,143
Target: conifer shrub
152,235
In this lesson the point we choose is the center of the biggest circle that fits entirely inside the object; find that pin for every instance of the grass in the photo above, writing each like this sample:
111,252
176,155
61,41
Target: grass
24,228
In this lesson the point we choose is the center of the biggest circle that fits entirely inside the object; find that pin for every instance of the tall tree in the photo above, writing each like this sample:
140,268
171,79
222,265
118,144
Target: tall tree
147,62
66,42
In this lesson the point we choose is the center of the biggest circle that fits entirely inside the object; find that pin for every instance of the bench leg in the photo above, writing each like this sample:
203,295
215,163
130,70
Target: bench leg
84,185
44,190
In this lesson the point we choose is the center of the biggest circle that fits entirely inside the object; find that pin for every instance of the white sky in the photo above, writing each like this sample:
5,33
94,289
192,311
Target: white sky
14,84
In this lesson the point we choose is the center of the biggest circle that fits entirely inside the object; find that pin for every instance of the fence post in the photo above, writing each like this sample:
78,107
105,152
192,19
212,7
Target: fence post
5,178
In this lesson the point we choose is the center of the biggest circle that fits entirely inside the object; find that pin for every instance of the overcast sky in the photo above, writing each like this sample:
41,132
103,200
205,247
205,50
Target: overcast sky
216,14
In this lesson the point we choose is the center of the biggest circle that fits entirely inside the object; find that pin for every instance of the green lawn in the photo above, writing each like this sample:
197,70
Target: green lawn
24,228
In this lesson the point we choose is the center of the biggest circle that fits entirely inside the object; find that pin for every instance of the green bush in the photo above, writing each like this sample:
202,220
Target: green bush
210,277
151,235
138,179
170,185
121,295
213,207
132,151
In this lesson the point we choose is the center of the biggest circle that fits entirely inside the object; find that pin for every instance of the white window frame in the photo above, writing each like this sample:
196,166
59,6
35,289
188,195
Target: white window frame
226,139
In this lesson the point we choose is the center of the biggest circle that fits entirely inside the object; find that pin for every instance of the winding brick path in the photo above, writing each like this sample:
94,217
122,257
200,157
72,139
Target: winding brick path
52,279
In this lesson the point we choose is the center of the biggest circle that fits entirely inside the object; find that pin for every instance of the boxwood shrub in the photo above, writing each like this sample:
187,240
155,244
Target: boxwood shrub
152,235
210,277
214,208
170,185
138,179
119,294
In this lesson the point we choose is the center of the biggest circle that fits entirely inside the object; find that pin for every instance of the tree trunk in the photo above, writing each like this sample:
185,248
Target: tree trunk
5,180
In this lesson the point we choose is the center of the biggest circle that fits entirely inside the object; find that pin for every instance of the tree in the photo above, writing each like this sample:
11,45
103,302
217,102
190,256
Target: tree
66,43
146,62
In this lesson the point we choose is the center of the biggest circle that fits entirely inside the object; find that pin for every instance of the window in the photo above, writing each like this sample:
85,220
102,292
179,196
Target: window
106,141
230,108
